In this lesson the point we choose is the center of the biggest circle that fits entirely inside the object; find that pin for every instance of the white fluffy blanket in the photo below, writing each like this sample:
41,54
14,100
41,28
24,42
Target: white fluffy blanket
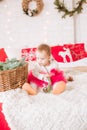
67,111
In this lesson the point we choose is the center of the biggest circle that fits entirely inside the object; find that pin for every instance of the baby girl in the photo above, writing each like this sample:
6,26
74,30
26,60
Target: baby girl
45,73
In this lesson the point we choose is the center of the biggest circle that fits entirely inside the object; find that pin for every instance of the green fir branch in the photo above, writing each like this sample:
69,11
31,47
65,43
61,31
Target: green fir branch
60,6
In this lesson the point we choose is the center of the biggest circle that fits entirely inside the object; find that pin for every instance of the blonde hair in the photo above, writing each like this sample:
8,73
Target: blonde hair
44,47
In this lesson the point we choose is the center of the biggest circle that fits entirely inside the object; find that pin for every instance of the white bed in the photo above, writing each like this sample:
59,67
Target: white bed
67,111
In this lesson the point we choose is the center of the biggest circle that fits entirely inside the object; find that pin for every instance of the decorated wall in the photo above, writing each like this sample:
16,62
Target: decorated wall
19,30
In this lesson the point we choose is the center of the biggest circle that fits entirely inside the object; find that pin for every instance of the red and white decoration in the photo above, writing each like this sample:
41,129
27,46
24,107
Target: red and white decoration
77,51
61,54
29,54
69,52
65,53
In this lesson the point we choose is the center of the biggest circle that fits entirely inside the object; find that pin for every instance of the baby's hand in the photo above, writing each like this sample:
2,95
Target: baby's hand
47,75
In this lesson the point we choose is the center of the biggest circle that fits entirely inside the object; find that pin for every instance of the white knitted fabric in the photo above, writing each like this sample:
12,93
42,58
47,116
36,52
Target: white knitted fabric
67,111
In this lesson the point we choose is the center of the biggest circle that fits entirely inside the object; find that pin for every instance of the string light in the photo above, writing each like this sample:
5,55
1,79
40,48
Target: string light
8,25
45,27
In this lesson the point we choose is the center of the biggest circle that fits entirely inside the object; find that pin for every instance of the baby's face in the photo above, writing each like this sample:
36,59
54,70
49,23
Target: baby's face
43,58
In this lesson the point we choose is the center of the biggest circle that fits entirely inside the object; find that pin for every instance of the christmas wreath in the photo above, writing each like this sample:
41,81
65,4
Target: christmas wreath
34,9
62,8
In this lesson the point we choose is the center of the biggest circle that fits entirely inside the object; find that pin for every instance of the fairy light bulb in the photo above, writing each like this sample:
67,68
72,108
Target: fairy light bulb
11,39
8,46
47,13
8,20
45,27
5,6
8,32
45,40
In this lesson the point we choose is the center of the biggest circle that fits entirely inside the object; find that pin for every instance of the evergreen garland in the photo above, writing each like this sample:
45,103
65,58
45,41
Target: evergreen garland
60,6
11,64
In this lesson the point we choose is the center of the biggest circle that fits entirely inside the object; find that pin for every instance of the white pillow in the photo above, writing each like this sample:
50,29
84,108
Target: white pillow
81,62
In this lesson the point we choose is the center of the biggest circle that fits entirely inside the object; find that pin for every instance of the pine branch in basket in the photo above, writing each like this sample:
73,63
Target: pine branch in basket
11,64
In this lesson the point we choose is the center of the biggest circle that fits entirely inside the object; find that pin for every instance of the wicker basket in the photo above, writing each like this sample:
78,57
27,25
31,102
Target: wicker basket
14,78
